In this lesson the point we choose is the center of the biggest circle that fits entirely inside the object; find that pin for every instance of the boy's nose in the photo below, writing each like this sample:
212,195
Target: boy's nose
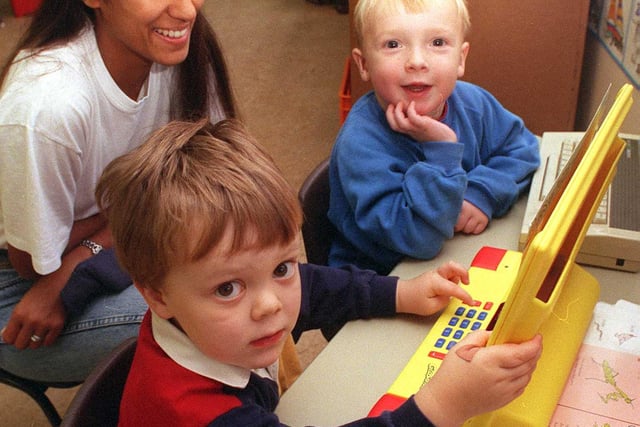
416,60
266,303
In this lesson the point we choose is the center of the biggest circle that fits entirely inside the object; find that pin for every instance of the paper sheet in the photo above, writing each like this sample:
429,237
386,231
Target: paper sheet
603,389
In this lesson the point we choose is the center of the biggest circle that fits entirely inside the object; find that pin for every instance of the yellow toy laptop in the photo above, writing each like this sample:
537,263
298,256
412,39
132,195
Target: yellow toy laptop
539,290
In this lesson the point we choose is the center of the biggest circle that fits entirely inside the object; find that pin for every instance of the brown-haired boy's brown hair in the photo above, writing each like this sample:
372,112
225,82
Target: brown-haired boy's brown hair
170,200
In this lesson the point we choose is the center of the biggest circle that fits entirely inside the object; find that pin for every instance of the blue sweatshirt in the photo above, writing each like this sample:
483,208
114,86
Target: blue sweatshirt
394,197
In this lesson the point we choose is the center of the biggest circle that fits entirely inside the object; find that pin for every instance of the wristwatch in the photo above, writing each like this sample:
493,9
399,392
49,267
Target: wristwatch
94,247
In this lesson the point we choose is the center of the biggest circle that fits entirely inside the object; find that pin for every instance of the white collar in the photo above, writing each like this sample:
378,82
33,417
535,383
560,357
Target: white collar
181,350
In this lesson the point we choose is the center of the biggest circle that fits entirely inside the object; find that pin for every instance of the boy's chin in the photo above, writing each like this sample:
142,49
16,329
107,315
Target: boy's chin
267,360
434,114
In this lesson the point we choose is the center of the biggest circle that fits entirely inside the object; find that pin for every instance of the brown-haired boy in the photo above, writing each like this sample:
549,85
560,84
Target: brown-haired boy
209,230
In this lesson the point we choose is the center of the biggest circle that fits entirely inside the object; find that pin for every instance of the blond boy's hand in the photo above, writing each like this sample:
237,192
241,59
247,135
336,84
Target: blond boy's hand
432,290
405,119
474,379
471,219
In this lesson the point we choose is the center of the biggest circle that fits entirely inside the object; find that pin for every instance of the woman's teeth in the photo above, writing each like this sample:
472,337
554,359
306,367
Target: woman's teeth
172,34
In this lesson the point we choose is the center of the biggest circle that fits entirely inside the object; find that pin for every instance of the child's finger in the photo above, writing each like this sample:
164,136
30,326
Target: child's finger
444,289
452,270
395,116
468,347
527,352
457,291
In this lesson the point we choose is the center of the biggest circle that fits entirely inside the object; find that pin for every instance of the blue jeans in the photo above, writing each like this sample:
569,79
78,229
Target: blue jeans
85,340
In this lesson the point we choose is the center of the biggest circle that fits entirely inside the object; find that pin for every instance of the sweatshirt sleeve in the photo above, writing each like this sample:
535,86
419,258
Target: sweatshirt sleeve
501,154
407,415
101,274
336,295
390,193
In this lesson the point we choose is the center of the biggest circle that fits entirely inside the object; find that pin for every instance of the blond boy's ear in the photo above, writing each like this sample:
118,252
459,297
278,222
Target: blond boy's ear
360,61
154,300
464,51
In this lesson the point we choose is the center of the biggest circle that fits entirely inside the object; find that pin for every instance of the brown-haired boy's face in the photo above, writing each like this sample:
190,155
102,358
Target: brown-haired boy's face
238,309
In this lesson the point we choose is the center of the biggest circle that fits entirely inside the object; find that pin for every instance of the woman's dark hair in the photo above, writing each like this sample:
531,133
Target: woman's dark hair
57,22
194,85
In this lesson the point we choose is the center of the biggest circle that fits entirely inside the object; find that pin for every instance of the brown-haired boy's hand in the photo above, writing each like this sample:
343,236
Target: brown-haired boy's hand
474,379
405,119
432,290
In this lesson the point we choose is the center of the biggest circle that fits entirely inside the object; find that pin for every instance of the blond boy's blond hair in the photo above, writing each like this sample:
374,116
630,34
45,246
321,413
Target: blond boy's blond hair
366,10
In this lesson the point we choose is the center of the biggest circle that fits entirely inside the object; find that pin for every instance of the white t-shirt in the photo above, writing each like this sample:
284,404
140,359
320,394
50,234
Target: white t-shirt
62,120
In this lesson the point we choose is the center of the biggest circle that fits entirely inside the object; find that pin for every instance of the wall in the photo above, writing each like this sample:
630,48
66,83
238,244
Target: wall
598,70
527,54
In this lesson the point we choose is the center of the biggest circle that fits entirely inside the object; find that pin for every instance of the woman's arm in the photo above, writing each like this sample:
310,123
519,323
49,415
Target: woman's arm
93,228
41,312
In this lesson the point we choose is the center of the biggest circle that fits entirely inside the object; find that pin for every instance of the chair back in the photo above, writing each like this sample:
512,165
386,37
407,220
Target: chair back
317,230
97,402
37,391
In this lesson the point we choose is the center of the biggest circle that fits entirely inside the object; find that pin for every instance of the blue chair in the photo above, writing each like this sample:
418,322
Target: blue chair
317,230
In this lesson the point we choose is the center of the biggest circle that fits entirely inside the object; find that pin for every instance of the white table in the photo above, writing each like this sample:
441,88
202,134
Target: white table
366,356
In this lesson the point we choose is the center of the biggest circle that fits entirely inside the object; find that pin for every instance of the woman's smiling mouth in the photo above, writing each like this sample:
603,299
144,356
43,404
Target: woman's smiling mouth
172,34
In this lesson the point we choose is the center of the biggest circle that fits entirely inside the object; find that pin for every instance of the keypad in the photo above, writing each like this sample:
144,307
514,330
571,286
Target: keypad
466,318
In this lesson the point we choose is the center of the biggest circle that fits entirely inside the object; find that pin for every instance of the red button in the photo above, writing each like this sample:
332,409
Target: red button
436,355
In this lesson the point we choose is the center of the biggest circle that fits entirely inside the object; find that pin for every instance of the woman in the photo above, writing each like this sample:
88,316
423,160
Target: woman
88,82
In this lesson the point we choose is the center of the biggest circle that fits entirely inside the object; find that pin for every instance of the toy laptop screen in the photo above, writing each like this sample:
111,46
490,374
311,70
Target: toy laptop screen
560,226
551,200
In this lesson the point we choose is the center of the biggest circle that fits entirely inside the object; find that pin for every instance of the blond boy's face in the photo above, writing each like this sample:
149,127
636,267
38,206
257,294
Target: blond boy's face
414,56
237,309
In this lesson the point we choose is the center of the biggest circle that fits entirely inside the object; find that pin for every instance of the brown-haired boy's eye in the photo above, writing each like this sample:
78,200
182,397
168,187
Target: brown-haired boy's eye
281,270
284,269
229,289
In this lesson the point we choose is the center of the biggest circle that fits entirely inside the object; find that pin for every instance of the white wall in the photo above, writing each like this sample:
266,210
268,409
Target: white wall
598,70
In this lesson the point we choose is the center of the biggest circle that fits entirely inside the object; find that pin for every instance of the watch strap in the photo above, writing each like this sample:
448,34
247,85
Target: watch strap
94,247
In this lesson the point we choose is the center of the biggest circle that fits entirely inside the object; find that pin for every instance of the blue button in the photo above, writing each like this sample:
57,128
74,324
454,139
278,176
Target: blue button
471,313
453,321
459,333
439,342
465,323
451,344
460,311
476,326
446,332
482,315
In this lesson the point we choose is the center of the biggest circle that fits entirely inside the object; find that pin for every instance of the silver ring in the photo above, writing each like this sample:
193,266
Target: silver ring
35,338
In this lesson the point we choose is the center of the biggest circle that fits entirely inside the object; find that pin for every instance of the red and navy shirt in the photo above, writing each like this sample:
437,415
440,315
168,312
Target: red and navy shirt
171,383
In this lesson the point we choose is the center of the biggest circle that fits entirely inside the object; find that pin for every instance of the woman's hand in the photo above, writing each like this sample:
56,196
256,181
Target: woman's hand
39,317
